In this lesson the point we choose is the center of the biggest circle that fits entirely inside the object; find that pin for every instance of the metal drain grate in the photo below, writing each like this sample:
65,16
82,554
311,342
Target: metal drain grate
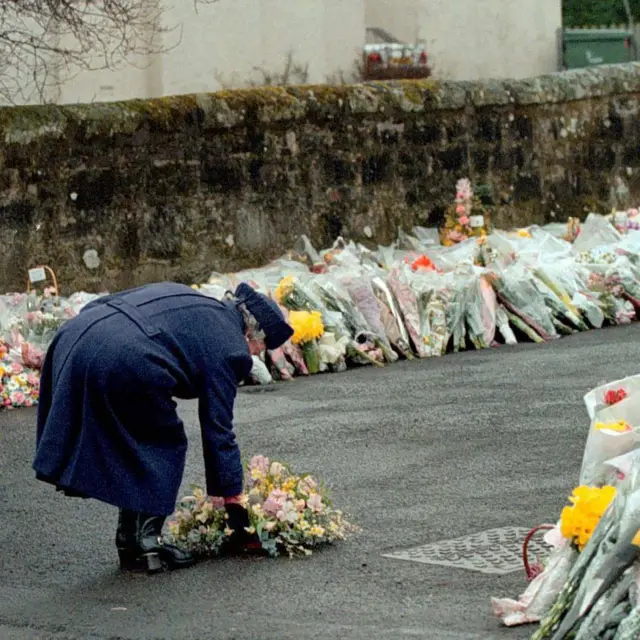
495,551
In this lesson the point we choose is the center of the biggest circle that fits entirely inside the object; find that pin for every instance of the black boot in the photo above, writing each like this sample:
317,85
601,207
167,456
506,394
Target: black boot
140,545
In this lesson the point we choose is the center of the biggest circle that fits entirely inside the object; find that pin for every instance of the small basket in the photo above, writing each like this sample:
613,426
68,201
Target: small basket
53,278
534,570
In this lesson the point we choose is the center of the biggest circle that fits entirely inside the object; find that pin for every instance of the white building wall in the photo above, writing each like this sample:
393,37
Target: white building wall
471,39
232,43
227,44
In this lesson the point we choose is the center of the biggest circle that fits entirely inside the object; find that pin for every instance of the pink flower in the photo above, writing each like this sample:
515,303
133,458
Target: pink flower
457,236
315,503
28,402
463,187
306,485
7,402
17,398
461,209
32,380
270,507
16,368
463,220
274,502
261,463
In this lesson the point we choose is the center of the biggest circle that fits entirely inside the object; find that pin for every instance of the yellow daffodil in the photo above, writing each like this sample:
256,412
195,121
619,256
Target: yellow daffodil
578,522
289,485
307,326
316,531
283,289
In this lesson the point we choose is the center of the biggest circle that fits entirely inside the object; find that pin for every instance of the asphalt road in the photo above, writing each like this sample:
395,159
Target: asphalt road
418,452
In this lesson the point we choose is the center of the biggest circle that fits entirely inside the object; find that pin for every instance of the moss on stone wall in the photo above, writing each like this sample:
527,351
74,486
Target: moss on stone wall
226,109
176,186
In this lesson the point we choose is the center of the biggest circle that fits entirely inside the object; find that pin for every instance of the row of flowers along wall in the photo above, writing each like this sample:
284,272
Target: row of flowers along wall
113,195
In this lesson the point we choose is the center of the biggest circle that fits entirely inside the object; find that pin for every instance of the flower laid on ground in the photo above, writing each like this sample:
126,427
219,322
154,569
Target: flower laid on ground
307,328
199,523
613,396
466,218
19,386
288,513
619,427
578,522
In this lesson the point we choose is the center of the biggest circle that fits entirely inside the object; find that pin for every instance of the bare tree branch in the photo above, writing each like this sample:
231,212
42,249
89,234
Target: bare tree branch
46,42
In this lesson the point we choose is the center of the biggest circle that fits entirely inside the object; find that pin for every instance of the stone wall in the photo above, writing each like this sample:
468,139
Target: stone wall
176,187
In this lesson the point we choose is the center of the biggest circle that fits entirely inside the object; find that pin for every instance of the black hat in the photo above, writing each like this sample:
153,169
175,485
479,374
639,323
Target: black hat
268,315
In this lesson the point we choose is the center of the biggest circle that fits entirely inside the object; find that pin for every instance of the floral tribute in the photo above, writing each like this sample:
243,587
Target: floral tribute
613,396
578,522
288,514
307,328
466,218
19,386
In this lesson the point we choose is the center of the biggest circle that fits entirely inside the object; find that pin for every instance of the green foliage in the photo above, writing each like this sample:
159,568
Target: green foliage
594,13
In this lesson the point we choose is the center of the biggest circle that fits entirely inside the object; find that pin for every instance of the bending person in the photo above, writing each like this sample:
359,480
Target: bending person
107,422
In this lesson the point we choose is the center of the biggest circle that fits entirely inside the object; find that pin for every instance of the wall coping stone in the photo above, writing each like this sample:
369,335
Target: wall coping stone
244,107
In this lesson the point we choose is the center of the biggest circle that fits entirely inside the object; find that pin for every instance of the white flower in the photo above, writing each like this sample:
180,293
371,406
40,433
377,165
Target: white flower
288,513
276,469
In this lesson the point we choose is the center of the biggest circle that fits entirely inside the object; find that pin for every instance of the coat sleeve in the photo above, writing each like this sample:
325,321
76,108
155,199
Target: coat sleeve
223,466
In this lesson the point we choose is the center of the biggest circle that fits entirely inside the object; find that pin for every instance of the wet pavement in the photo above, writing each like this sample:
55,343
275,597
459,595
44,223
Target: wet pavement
415,453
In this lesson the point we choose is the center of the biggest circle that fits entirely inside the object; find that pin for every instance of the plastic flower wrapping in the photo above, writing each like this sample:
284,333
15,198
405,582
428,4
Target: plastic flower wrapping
423,296
288,514
589,587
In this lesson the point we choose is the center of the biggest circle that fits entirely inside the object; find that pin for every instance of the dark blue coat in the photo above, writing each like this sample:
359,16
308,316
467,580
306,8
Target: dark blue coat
107,422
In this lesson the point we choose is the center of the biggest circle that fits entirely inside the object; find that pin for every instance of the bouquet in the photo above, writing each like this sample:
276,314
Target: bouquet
579,521
307,328
19,387
288,514
466,218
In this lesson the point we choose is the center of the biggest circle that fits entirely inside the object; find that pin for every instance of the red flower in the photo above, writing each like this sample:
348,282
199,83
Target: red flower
613,396
423,263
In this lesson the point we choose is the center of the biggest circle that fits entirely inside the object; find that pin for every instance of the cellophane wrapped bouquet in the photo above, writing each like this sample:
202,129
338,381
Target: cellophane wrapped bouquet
288,514
589,585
